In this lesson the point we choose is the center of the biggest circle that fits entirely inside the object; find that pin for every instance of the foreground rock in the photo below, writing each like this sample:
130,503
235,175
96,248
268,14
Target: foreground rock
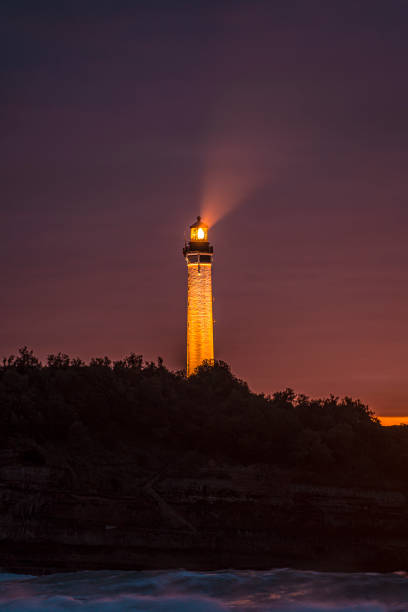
123,515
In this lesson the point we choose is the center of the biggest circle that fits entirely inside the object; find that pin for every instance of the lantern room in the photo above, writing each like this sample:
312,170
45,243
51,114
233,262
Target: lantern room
199,231
198,244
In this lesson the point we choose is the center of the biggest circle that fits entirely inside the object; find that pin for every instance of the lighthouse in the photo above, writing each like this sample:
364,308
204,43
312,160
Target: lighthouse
198,254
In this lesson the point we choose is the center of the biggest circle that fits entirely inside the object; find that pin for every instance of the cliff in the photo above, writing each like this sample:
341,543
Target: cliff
126,464
110,512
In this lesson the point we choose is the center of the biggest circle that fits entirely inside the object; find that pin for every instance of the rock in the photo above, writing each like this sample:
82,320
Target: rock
118,515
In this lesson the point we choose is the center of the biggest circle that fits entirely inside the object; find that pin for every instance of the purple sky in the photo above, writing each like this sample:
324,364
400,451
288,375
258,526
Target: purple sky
284,123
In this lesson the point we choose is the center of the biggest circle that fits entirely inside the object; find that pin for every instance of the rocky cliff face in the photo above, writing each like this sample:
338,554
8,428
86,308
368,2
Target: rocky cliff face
108,514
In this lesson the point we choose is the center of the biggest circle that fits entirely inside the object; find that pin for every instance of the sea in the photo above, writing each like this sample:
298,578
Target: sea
283,590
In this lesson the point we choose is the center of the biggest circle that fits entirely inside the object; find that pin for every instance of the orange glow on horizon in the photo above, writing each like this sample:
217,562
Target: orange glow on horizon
393,420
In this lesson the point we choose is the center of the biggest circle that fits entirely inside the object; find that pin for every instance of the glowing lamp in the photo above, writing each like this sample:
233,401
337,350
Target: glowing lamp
199,231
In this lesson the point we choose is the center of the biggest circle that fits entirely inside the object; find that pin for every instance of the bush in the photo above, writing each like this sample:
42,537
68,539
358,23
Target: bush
132,404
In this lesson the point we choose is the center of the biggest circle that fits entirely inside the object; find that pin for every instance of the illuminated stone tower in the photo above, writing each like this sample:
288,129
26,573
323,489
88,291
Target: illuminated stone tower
199,253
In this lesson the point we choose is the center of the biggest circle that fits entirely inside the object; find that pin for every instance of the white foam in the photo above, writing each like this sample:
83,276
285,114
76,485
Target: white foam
182,591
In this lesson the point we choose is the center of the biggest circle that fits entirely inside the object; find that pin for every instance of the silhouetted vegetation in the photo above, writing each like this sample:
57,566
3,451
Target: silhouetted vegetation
131,404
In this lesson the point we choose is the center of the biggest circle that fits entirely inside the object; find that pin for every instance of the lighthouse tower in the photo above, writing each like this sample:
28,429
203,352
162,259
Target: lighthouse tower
199,254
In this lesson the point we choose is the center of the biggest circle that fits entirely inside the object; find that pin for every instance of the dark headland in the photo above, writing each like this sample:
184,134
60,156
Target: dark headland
128,465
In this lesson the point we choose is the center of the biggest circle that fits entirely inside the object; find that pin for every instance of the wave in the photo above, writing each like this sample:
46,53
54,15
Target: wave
182,591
